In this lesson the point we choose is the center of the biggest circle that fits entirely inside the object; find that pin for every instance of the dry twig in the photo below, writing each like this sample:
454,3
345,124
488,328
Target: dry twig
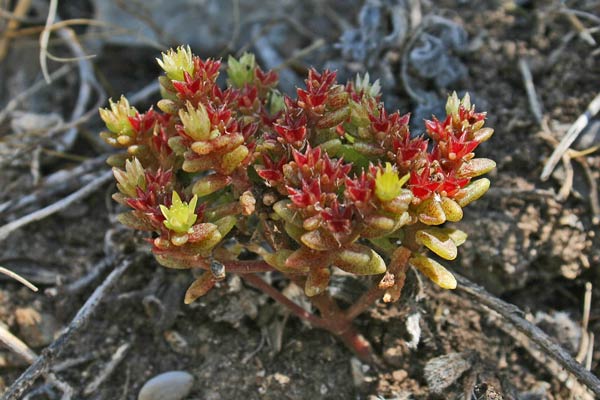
85,191
42,363
513,315
18,99
58,182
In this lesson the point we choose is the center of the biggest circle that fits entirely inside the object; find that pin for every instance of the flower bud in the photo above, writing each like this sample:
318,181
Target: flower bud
359,116
196,122
176,62
117,118
452,105
240,72
133,177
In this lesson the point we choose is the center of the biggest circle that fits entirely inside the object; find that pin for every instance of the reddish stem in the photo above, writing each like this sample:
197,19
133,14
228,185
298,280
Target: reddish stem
332,318
397,267
340,326
276,295
247,267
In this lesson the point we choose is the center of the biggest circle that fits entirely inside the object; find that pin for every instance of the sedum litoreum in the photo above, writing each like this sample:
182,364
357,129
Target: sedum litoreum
180,216
308,185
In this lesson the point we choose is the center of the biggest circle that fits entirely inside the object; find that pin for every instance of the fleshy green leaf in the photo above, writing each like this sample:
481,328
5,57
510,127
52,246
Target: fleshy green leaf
434,271
360,260
437,241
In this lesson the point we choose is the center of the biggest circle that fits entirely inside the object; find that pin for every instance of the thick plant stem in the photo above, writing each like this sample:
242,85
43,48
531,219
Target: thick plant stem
343,328
397,271
276,295
332,318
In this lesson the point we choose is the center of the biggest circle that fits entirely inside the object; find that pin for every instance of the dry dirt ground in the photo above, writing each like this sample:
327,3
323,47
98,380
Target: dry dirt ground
528,244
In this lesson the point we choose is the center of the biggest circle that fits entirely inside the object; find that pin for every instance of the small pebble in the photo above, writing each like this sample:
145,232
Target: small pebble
35,328
281,379
172,385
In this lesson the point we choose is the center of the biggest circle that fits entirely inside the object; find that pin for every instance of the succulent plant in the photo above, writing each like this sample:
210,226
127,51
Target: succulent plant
301,185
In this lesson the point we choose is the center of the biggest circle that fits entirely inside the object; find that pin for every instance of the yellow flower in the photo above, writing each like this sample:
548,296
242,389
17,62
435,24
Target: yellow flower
388,185
181,216
176,62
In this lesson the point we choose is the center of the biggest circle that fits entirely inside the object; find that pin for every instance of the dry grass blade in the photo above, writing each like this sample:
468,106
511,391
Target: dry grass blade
18,278
45,37
14,19
16,345
534,102
575,129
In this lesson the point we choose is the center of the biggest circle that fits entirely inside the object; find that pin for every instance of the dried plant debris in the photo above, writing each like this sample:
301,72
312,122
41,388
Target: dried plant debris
443,371
434,55
382,24
430,46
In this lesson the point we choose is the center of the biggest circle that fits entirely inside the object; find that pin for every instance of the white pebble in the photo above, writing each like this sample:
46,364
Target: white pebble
172,385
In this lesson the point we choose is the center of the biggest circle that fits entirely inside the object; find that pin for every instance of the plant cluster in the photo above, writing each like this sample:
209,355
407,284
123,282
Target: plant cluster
243,179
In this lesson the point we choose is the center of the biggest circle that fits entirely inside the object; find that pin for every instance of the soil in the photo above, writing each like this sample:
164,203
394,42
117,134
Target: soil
526,245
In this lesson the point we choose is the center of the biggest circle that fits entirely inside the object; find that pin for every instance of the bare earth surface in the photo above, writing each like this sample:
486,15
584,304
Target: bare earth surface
527,244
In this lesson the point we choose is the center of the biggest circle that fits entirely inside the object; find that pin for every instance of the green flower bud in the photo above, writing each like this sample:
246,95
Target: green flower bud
241,72
176,62
133,177
117,118
196,122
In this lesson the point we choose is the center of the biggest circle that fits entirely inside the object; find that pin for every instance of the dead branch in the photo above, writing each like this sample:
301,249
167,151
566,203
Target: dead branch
58,182
514,315
87,81
85,191
18,99
42,364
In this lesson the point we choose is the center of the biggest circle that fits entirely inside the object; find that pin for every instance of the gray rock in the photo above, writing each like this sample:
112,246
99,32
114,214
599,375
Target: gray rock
172,385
